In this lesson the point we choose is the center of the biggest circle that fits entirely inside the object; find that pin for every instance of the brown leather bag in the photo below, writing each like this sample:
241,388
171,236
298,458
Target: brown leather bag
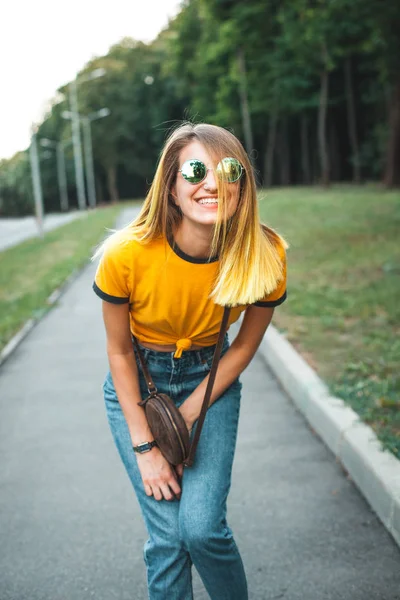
166,421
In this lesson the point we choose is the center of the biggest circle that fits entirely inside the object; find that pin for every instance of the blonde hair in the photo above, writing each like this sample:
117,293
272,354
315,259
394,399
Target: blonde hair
250,265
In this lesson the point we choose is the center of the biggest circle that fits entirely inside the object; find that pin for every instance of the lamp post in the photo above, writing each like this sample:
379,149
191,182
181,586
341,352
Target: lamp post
76,134
37,185
86,120
87,141
61,171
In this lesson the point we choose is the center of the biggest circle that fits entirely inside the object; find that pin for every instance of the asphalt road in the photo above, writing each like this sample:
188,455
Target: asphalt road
70,525
15,231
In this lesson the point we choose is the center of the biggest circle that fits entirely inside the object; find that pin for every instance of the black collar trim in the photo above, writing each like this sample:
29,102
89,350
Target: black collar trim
192,259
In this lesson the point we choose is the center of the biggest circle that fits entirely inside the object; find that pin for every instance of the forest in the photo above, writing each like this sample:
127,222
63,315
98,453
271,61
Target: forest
312,88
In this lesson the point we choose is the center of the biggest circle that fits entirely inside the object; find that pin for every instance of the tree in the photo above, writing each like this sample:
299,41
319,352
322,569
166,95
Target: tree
15,189
312,32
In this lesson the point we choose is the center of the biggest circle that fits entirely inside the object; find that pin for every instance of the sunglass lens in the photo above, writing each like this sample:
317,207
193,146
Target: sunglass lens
229,169
194,171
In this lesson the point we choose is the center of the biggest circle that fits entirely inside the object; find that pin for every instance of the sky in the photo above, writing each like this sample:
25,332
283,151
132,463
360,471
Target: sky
43,44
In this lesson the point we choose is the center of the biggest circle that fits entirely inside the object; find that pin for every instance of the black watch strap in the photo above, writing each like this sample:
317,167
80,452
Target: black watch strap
144,447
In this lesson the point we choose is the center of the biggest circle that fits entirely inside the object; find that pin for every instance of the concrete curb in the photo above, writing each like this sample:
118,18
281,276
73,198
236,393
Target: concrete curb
375,472
30,323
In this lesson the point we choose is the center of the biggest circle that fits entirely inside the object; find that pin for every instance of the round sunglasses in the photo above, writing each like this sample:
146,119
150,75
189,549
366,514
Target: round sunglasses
228,169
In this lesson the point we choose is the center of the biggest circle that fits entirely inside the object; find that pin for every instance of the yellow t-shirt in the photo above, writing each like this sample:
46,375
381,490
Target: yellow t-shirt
167,291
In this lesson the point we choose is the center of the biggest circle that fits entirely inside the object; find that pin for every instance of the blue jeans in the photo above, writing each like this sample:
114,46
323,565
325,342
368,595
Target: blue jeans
192,530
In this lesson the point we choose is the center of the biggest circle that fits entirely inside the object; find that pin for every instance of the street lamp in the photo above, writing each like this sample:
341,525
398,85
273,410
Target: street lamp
61,171
86,120
87,142
76,134
37,185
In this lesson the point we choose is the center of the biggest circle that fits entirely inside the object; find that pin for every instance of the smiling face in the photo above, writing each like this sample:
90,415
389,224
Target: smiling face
199,202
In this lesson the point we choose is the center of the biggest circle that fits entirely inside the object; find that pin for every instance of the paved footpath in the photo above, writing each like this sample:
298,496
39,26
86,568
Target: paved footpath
70,526
15,231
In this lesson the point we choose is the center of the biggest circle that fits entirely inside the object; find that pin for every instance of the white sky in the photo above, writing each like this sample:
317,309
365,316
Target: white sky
43,44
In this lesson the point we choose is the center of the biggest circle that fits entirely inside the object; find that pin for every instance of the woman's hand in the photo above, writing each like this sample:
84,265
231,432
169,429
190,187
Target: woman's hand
158,476
179,470
160,479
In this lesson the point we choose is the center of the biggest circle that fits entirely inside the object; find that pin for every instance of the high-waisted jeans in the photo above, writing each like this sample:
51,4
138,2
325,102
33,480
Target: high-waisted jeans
192,530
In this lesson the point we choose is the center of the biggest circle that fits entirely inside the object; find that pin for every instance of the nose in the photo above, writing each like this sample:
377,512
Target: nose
210,183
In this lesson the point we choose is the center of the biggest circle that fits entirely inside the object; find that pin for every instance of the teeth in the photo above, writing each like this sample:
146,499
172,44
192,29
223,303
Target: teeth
205,201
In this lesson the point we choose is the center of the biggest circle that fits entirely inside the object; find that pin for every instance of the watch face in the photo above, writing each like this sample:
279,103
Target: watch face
144,447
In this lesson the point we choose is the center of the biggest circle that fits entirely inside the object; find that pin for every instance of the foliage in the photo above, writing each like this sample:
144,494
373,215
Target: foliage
15,186
192,71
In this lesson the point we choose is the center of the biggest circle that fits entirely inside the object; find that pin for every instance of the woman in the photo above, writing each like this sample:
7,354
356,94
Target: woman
196,246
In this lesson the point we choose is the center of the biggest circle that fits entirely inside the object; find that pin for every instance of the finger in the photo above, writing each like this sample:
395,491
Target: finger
166,492
157,493
174,485
179,470
148,490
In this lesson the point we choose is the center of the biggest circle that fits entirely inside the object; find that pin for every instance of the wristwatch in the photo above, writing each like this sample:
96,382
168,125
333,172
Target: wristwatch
144,447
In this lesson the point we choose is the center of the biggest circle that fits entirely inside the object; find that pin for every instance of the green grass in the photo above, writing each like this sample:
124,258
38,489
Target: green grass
31,271
343,307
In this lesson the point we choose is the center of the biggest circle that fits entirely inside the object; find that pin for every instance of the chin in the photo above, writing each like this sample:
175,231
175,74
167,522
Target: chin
205,219
208,219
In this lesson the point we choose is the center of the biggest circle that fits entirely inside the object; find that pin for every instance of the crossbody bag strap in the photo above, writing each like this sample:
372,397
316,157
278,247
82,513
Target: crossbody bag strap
210,384
151,388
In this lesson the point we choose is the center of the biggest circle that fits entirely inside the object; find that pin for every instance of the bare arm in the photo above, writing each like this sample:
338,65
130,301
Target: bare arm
236,359
159,478
124,370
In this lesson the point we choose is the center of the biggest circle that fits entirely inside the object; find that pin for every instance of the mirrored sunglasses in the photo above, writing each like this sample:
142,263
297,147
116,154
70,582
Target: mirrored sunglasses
228,169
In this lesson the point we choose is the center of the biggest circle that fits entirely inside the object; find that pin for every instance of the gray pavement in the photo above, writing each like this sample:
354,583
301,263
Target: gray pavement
14,231
70,524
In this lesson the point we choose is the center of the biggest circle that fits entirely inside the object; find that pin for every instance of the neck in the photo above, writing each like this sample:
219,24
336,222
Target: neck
194,239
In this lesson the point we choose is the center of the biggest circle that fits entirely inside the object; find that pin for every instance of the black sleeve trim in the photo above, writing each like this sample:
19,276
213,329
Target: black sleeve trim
272,303
107,297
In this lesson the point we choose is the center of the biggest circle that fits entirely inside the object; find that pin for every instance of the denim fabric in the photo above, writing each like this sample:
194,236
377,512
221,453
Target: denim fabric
192,530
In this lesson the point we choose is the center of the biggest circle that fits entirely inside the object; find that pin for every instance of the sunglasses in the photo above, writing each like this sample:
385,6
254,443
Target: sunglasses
228,169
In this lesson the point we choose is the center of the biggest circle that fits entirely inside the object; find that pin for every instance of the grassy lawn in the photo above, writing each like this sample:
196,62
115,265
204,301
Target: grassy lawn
343,307
31,271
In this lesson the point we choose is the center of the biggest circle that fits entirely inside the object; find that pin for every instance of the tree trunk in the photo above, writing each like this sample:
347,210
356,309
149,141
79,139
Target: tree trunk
336,172
284,154
269,153
112,183
244,102
392,169
305,154
316,166
322,114
351,120
99,190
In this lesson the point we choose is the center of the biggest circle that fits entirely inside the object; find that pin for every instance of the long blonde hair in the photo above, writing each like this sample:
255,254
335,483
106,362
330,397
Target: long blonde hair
250,265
